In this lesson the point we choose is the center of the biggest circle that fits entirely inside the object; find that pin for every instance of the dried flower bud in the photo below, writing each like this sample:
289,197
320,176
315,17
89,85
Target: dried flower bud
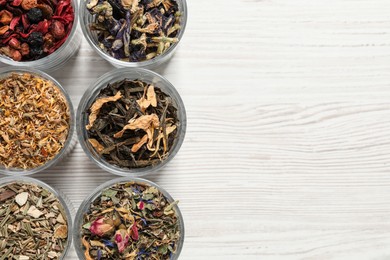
14,43
24,49
28,4
100,228
5,17
4,29
57,29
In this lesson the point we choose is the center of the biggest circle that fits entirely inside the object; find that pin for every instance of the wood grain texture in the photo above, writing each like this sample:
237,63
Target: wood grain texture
287,153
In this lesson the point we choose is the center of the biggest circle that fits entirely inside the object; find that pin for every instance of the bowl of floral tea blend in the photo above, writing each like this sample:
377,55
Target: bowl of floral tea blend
129,219
36,122
130,33
38,33
35,221
131,122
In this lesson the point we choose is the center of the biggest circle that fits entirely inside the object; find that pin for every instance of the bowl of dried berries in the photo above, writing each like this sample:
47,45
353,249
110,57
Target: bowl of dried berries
134,33
41,34
35,220
129,219
36,122
131,122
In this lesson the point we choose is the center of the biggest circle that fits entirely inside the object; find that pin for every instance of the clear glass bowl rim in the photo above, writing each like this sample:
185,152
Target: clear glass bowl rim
59,156
97,192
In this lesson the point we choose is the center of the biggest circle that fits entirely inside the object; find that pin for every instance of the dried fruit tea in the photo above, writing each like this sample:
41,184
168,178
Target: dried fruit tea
132,124
133,30
34,121
33,223
33,29
130,221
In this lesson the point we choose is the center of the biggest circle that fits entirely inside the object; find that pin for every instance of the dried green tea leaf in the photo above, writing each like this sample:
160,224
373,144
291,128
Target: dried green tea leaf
138,130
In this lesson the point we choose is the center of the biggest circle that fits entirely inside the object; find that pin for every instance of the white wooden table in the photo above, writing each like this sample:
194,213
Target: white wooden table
287,153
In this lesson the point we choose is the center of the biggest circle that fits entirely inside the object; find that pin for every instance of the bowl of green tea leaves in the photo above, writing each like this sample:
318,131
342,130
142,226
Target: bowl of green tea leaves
131,122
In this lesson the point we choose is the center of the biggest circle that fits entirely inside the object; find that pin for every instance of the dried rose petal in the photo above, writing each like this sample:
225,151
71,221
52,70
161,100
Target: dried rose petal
141,205
122,240
134,232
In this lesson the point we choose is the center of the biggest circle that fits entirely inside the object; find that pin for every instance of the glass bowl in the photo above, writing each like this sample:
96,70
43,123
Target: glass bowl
85,207
71,139
86,18
58,58
131,74
65,202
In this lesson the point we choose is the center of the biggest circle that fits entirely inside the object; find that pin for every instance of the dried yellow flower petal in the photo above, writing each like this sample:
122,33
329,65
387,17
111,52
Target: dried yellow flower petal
138,145
143,122
87,247
95,108
31,134
95,144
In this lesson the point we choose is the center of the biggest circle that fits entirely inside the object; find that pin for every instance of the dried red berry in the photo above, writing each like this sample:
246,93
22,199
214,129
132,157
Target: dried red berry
24,49
48,42
16,55
14,43
57,29
47,11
